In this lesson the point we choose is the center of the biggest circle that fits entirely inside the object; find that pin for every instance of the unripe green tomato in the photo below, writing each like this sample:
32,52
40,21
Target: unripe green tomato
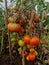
21,43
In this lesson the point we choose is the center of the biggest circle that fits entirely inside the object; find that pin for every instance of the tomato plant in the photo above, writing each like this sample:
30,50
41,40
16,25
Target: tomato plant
24,30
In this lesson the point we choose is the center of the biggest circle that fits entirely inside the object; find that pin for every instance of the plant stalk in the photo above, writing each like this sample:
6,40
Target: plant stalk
6,20
2,42
23,58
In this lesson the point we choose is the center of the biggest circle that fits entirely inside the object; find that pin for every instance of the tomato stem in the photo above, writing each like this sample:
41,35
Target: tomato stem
30,21
23,58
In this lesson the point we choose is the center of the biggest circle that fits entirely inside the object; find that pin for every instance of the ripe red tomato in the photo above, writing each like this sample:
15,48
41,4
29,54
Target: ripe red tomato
36,18
25,53
22,30
34,41
27,39
31,57
18,21
13,27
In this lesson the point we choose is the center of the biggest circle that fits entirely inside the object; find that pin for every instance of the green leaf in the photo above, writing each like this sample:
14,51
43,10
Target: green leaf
47,21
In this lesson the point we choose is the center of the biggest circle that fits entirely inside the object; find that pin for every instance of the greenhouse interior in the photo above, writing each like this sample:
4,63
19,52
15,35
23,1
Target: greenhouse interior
24,32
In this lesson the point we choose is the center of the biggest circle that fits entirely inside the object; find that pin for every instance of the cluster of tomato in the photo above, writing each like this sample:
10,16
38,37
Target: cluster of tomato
26,40
31,56
15,27
34,41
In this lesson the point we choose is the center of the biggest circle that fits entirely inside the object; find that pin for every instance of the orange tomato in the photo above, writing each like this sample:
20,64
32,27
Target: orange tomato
36,18
10,20
28,46
13,27
31,57
32,50
34,41
27,39
35,53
